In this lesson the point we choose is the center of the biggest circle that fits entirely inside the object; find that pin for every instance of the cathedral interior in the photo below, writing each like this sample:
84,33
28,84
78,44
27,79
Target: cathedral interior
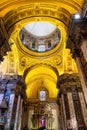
43,65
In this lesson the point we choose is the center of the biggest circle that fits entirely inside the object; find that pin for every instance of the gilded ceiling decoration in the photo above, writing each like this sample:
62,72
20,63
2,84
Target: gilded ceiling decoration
40,36
39,51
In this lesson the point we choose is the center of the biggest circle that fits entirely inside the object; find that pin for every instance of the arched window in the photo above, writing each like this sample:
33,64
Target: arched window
22,37
49,44
33,45
41,48
42,95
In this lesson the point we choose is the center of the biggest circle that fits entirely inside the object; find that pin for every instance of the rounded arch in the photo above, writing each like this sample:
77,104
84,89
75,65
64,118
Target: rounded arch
41,76
36,10
27,70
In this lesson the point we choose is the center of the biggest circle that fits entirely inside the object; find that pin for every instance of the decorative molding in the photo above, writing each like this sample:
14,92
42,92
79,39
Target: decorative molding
14,16
69,82
27,70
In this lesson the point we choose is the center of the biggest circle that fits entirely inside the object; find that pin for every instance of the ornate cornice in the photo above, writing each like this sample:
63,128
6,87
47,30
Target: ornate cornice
69,82
7,3
14,16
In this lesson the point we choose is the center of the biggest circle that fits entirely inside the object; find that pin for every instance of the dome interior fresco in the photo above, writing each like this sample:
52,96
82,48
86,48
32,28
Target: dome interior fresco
40,36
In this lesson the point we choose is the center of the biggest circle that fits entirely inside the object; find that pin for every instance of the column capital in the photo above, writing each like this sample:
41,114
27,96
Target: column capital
68,83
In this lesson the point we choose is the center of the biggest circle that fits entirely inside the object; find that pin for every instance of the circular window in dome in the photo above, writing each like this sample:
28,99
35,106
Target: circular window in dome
40,36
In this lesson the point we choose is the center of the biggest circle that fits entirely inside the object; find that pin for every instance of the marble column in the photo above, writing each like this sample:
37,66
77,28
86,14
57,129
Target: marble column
72,109
20,115
17,113
73,121
82,78
63,111
83,106
84,49
9,112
